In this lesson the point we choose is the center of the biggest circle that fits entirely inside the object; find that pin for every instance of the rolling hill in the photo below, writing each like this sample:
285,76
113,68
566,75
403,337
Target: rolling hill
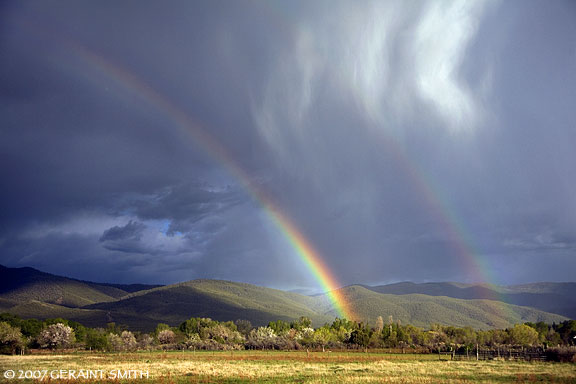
28,284
219,300
556,298
31,293
423,310
224,300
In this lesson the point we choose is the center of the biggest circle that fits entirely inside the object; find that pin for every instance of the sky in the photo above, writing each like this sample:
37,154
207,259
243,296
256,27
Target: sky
144,141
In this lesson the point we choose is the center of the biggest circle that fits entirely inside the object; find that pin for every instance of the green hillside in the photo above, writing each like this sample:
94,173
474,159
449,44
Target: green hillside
548,297
31,293
27,284
224,300
423,310
219,300
6,304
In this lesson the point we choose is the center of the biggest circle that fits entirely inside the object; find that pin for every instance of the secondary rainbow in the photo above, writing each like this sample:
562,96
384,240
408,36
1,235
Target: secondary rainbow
445,217
192,130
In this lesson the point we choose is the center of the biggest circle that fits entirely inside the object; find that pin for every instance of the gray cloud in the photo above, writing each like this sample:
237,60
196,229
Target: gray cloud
184,205
124,238
403,138
131,231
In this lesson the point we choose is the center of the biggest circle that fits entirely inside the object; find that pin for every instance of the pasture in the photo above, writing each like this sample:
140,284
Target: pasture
273,367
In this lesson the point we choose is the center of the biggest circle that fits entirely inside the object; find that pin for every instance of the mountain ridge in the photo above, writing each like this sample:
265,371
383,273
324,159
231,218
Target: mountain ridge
546,296
26,283
43,295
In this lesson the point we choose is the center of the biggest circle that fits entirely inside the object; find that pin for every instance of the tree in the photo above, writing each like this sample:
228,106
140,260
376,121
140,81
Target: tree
348,325
305,336
567,331
342,329
166,336
280,327
243,326
262,337
522,334
542,328
415,336
96,340
146,341
11,338
123,342
196,325
303,322
114,342
161,327
31,327
55,336
322,336
79,330
379,324
360,337
129,342
225,335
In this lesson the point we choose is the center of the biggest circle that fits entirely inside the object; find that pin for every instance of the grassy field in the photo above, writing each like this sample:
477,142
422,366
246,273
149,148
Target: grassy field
278,367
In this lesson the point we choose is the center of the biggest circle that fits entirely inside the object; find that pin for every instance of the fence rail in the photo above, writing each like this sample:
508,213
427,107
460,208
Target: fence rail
534,354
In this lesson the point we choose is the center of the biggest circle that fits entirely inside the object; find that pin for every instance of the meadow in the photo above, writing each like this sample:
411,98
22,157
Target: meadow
275,367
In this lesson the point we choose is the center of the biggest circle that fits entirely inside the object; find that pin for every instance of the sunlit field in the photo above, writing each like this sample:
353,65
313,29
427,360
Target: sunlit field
278,367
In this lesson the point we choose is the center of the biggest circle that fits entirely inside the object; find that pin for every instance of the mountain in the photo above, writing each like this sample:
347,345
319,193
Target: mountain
219,300
423,310
31,293
556,298
28,284
225,300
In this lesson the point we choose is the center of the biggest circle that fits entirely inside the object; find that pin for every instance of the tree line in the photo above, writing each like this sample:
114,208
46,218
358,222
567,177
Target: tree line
17,335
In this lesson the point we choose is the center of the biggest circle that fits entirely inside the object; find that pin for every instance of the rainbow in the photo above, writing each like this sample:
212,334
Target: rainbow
467,256
452,227
306,252
311,258
448,222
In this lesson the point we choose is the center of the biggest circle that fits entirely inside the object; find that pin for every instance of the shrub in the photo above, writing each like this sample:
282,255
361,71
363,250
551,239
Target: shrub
561,354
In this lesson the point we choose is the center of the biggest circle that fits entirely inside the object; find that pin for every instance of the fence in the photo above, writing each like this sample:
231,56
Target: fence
526,354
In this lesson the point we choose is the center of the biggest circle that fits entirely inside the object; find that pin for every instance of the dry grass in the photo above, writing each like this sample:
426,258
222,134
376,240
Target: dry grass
293,367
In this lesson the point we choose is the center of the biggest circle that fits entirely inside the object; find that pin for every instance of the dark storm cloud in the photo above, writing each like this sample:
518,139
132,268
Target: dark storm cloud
124,238
395,134
184,205
133,231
